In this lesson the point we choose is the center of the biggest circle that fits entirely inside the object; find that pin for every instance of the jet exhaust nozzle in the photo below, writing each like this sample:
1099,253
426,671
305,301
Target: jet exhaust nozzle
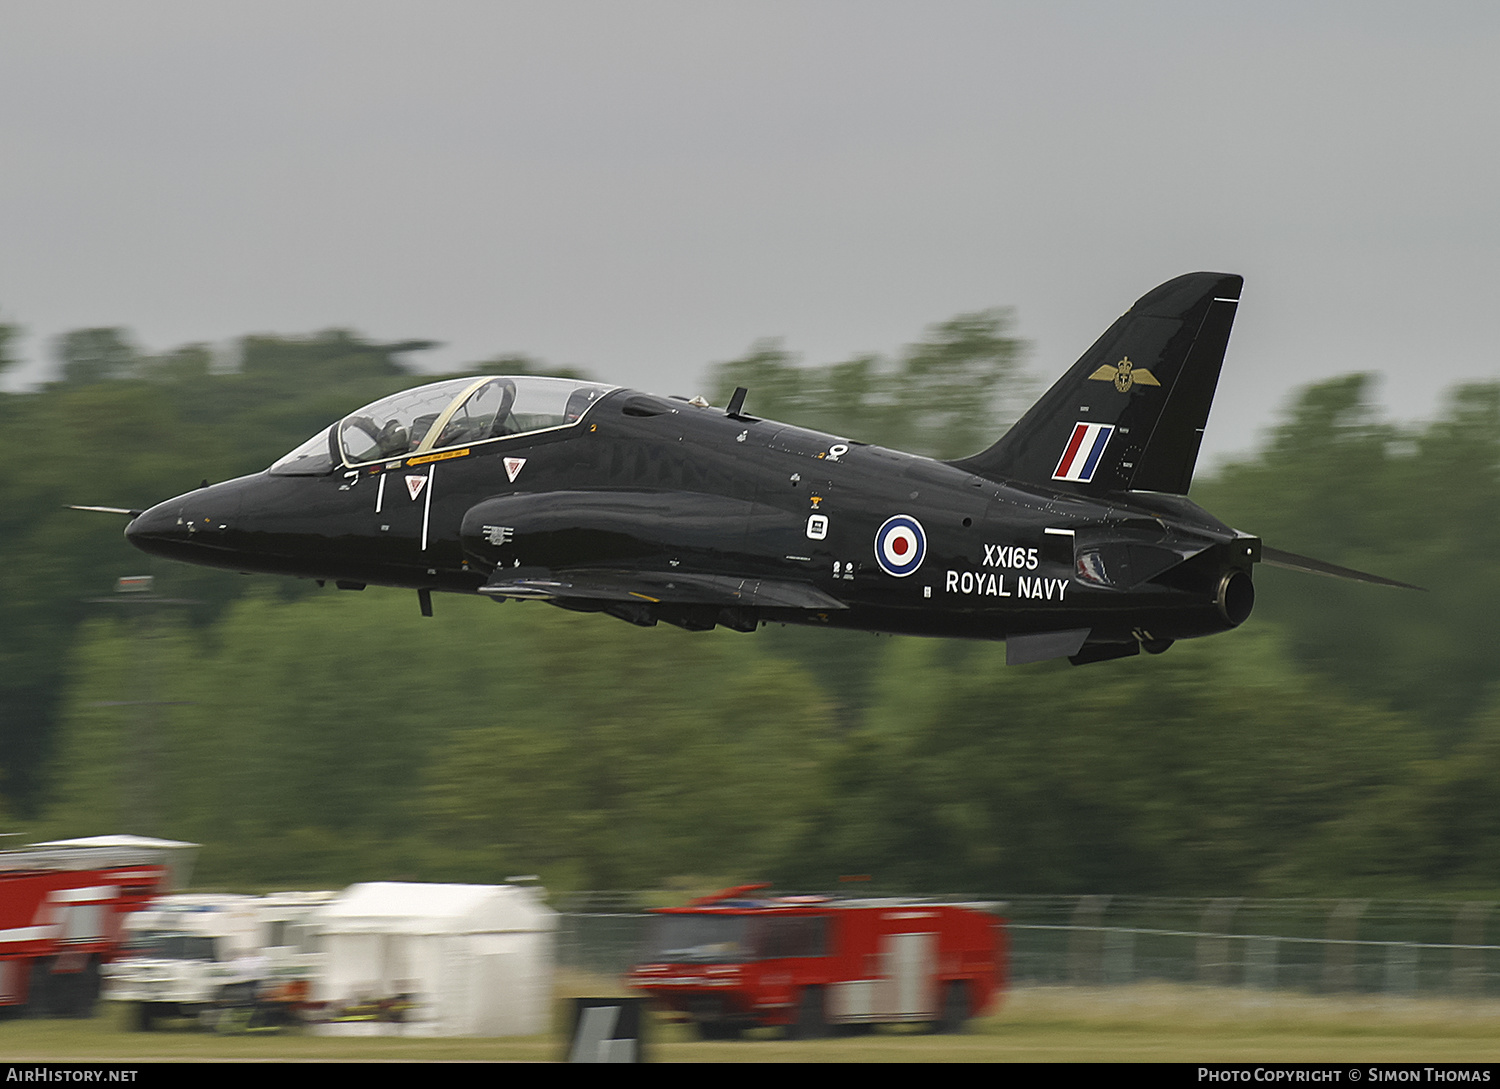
1235,597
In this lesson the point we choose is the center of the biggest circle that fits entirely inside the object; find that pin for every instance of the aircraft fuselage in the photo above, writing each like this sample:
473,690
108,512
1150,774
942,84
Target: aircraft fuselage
896,542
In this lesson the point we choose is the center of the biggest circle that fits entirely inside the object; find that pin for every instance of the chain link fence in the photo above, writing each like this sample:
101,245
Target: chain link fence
1401,948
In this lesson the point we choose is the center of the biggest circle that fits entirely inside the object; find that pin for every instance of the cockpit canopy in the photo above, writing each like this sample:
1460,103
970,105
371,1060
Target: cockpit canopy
443,415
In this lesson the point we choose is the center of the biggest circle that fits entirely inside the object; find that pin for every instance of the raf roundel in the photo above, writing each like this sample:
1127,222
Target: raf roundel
900,545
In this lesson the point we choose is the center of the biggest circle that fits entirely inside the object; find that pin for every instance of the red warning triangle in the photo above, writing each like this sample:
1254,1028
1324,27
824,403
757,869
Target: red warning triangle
414,485
513,468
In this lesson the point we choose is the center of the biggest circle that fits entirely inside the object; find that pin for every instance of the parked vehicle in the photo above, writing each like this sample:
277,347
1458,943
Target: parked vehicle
813,964
63,912
229,962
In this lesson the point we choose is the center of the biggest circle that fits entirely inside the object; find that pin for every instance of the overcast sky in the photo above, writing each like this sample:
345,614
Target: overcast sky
642,188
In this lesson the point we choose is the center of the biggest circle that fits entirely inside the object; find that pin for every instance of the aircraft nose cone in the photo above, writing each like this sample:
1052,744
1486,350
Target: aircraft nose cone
182,528
155,527
149,523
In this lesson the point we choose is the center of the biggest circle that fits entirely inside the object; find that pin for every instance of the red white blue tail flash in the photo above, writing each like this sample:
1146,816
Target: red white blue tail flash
1084,452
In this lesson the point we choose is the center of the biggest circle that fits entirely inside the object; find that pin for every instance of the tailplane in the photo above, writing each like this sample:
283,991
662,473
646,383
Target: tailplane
1130,413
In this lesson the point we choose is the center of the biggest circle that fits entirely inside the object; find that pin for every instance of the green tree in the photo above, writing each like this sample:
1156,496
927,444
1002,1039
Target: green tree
329,736
1417,503
1435,829
1203,771
8,336
96,355
946,395
623,757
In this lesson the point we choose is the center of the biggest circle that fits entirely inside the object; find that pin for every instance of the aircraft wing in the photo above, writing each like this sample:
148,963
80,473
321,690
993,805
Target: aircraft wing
655,587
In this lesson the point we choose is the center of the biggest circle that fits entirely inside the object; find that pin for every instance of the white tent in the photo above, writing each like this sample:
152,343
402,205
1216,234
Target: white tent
475,959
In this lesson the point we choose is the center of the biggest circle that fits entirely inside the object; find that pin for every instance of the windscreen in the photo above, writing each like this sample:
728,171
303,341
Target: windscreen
171,945
686,938
462,412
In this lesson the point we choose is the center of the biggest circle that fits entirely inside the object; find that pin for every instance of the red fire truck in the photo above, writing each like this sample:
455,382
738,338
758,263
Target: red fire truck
816,964
61,909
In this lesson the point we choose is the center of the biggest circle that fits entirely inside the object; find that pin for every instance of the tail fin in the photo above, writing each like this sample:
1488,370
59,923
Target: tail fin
1130,412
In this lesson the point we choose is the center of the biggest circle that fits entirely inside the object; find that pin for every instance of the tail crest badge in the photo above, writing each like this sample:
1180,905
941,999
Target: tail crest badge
1124,375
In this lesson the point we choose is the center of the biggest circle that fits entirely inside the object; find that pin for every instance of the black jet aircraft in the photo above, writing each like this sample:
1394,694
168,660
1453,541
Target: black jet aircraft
1070,537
